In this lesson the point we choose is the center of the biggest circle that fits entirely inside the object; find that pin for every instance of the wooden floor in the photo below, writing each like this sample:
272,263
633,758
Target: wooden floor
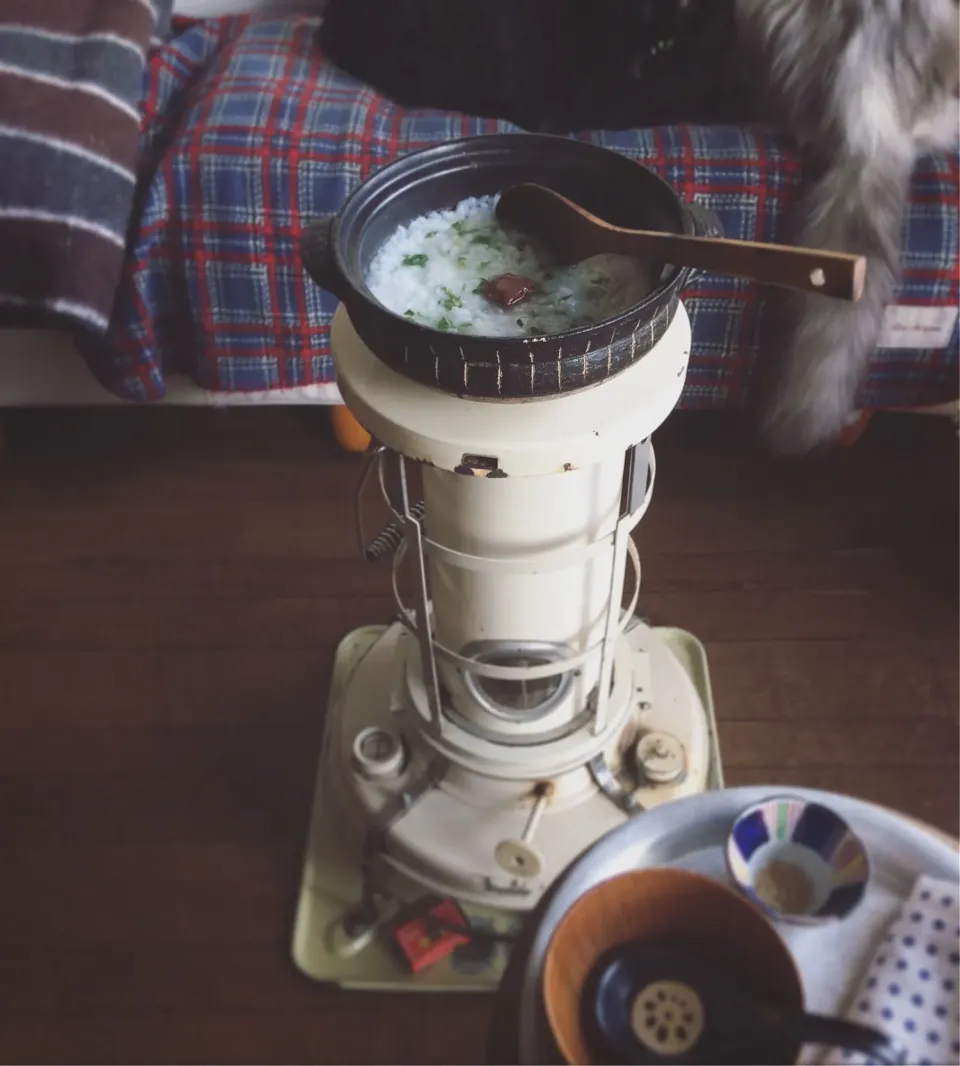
172,584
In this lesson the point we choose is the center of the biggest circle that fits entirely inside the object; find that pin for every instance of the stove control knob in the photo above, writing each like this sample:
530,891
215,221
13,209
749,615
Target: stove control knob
660,758
518,858
377,753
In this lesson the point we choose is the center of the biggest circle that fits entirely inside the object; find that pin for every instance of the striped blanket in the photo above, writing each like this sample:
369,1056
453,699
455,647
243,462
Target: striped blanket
71,81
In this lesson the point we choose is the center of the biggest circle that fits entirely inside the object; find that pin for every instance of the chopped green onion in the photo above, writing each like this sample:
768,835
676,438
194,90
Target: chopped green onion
481,287
451,299
409,314
482,238
444,323
432,233
415,260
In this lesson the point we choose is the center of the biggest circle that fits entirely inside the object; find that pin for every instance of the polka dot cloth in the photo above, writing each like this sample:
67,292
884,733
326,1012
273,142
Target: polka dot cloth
909,990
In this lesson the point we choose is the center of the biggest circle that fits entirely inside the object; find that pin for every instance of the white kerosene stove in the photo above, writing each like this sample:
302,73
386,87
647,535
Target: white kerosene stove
518,708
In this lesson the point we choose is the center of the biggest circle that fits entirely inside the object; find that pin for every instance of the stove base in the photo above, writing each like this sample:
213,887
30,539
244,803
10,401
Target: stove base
331,882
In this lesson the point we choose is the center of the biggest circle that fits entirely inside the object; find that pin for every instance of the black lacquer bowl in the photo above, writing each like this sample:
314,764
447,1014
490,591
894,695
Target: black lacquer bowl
337,251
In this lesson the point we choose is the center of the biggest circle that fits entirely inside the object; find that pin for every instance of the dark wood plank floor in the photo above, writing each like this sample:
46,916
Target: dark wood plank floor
173,583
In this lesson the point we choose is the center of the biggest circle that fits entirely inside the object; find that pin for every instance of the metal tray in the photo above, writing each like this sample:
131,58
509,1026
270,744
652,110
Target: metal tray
690,833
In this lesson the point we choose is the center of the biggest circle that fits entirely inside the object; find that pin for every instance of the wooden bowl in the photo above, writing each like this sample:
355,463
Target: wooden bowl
668,907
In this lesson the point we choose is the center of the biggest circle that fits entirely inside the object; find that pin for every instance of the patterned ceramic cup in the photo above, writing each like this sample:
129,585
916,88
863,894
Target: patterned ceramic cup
799,862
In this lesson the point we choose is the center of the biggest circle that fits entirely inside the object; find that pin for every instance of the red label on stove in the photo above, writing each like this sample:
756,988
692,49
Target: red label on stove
424,942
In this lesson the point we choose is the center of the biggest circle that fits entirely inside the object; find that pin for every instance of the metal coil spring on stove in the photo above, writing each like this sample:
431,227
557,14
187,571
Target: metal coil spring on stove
386,542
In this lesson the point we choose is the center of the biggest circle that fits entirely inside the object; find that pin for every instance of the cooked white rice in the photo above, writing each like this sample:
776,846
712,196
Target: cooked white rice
433,271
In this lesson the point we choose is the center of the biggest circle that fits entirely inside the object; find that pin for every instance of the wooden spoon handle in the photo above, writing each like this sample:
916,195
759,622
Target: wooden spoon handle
576,234
834,274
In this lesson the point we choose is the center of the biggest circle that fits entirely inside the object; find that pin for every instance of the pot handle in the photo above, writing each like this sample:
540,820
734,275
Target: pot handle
705,222
317,255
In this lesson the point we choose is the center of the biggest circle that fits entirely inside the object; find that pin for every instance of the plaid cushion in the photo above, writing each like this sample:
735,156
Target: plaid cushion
248,134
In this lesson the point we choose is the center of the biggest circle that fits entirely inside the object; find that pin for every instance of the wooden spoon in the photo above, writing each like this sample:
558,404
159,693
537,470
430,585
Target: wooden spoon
573,234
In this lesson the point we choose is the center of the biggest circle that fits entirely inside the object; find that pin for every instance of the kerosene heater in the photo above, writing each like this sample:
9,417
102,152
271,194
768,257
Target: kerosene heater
516,708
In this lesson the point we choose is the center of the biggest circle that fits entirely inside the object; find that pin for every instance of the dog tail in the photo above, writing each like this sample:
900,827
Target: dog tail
857,205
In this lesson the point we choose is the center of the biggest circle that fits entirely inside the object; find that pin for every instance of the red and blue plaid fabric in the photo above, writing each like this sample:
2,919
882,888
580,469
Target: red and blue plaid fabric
249,134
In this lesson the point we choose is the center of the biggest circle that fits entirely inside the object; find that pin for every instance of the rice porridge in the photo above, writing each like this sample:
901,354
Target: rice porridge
461,271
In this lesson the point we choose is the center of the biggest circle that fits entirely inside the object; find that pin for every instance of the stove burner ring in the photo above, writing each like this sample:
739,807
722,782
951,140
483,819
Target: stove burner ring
519,701
519,740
